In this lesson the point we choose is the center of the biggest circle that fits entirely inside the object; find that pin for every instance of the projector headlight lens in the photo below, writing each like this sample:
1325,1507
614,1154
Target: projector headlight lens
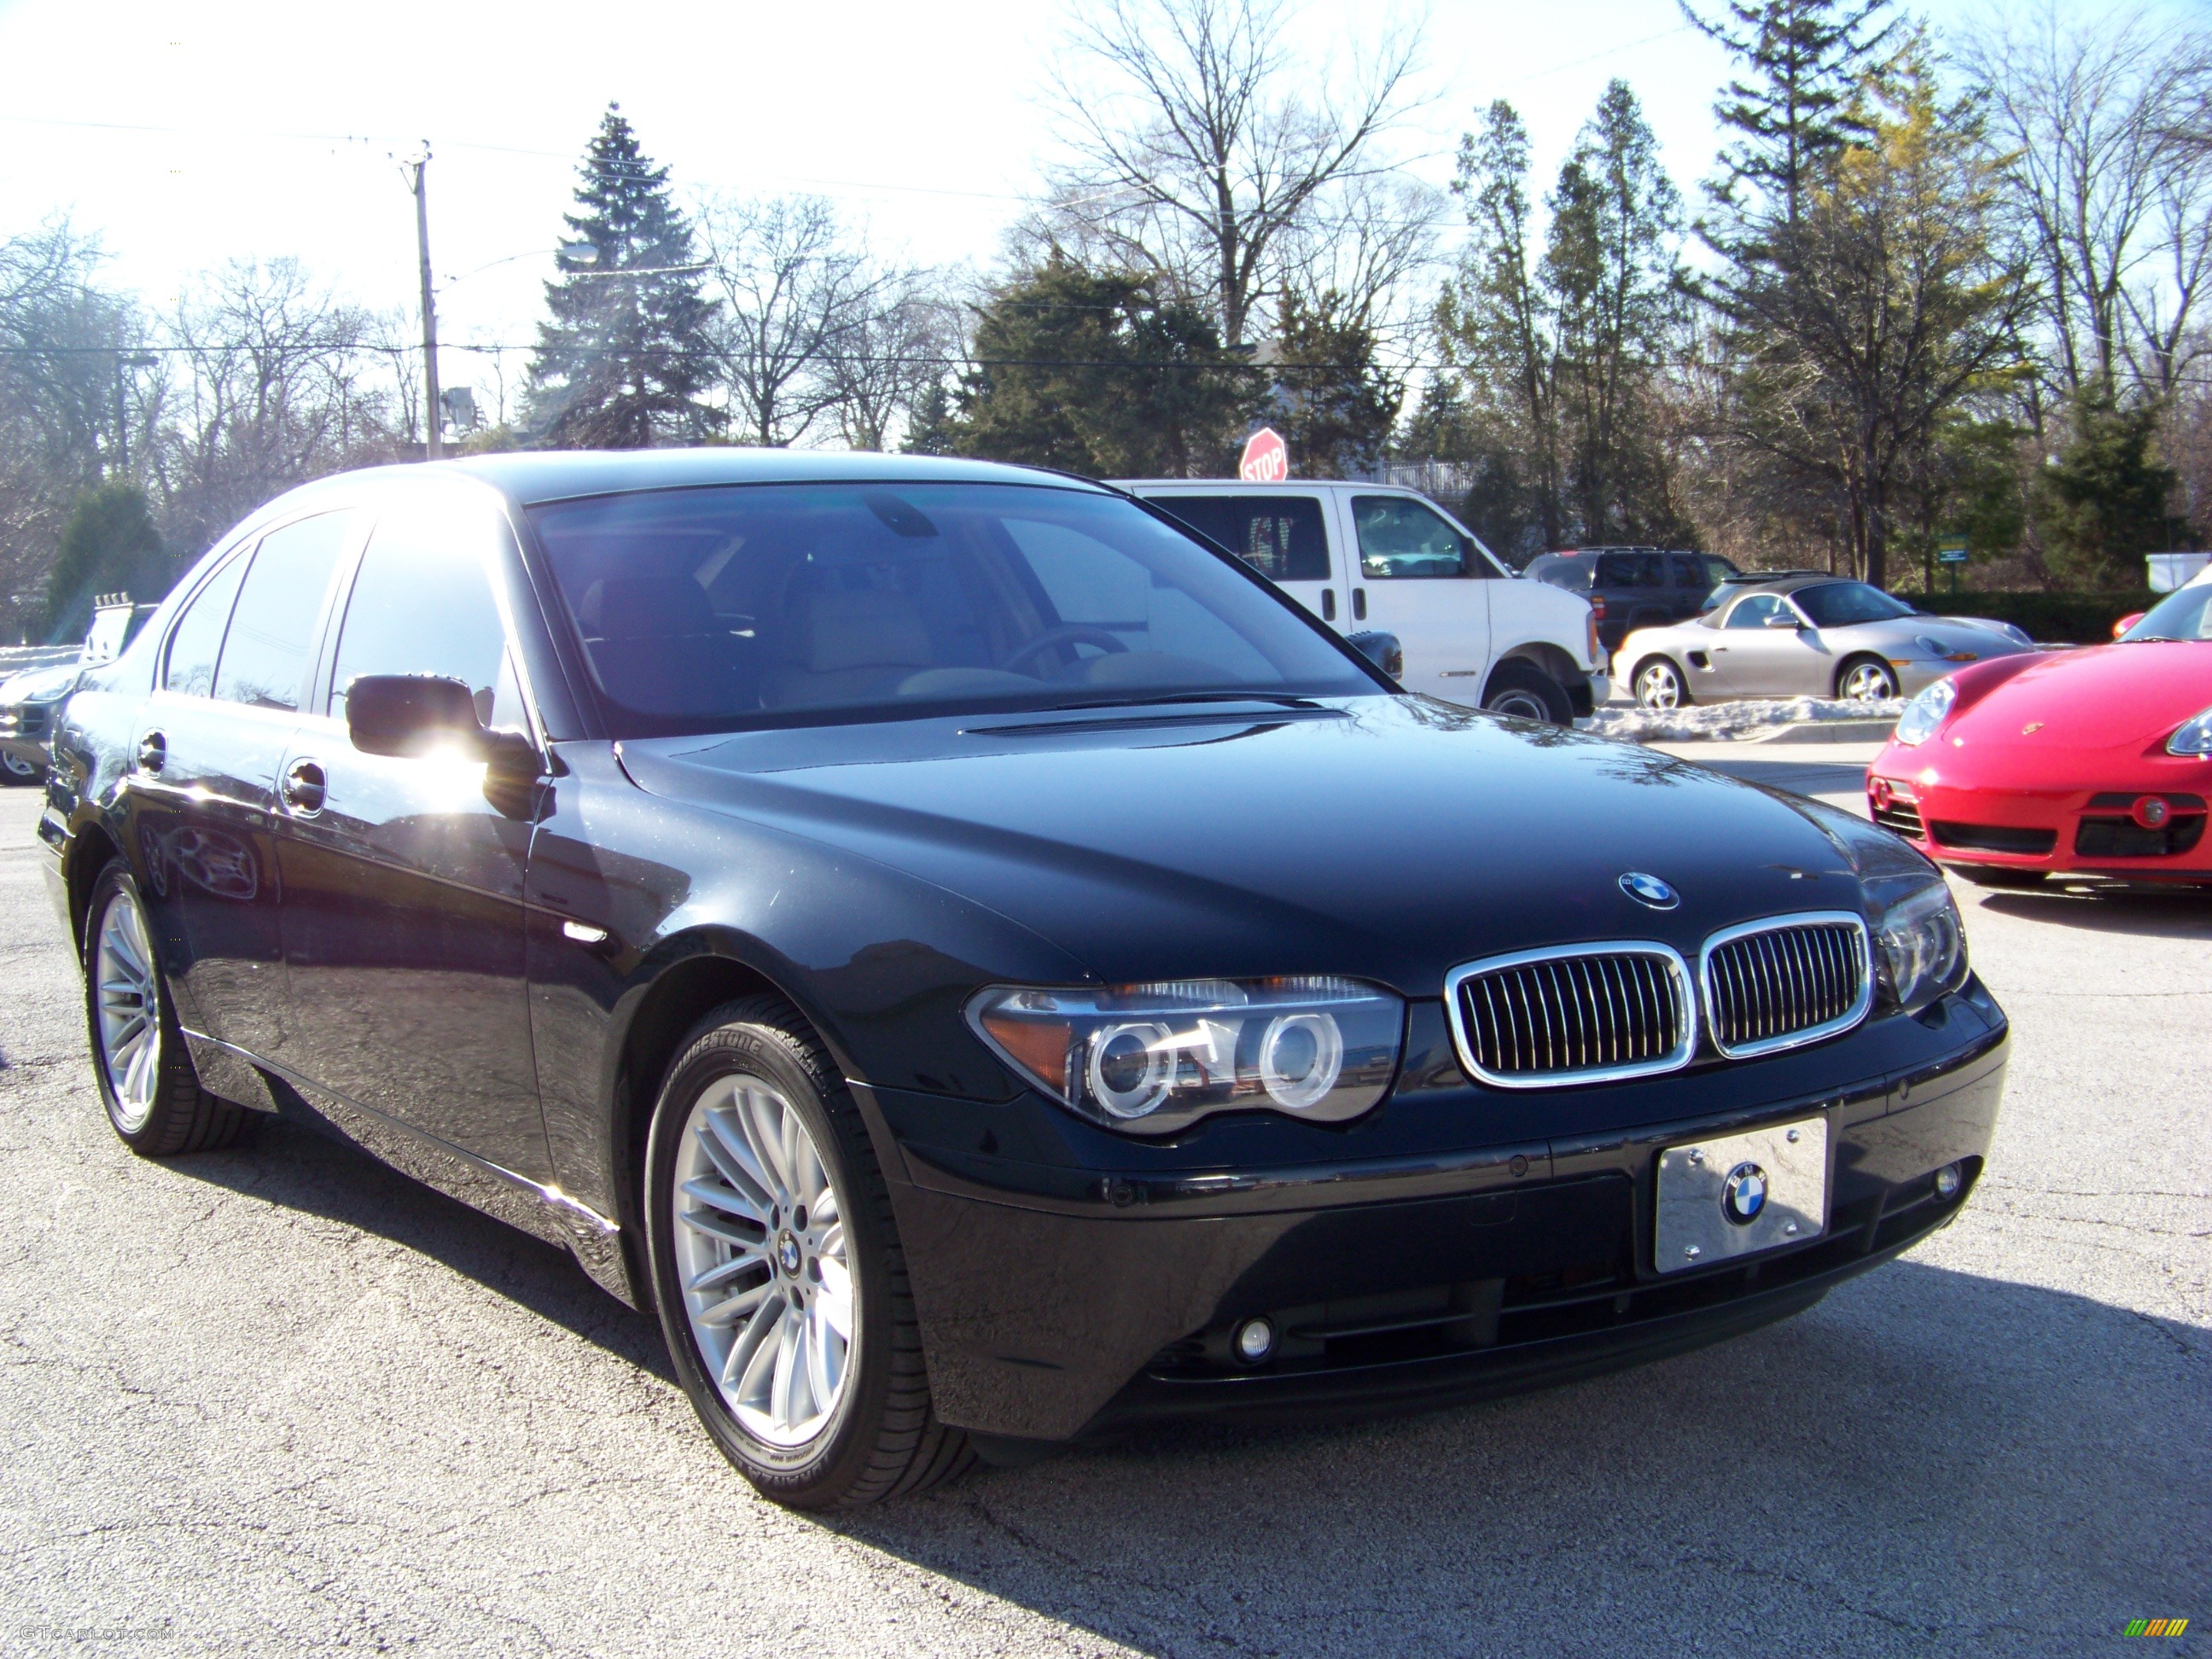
1926,711
1154,1058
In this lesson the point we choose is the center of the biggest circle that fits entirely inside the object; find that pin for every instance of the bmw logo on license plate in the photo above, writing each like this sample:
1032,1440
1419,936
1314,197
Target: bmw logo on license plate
1743,1195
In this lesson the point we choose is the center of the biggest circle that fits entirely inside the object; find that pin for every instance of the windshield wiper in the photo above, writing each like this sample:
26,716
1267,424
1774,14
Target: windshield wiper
1279,699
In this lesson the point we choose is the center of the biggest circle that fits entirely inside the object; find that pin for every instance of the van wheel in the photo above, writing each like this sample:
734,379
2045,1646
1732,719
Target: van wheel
1658,684
777,1271
1525,692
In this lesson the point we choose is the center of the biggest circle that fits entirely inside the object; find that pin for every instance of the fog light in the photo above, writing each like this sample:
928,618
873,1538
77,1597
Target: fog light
1948,1181
2151,812
1255,1340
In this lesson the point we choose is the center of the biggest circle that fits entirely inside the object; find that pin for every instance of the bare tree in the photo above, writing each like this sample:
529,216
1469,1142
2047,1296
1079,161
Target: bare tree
903,340
792,291
1198,159
2101,122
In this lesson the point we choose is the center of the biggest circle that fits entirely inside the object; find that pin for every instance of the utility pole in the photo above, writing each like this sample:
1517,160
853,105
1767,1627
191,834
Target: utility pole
433,413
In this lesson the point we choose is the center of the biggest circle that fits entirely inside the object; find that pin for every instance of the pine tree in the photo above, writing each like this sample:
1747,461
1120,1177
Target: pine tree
1335,403
109,545
2102,501
1806,58
624,358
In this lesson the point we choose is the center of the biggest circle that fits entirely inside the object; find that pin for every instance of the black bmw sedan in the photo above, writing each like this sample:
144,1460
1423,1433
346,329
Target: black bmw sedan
981,966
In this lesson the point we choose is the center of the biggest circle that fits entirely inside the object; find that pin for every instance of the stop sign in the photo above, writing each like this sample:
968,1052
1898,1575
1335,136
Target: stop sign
1267,460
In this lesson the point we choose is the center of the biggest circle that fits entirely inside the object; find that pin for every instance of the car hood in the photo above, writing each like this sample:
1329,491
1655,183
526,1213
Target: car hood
39,684
2107,699
1386,838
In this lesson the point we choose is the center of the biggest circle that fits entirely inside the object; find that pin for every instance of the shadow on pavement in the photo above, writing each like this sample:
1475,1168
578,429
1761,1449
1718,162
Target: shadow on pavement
2146,911
288,1165
1928,1456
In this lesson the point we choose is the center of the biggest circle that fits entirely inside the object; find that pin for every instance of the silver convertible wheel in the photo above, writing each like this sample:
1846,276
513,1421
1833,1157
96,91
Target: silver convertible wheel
1659,685
1868,681
128,1011
760,1245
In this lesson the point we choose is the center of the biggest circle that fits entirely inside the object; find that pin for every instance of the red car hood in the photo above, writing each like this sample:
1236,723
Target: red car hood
2116,702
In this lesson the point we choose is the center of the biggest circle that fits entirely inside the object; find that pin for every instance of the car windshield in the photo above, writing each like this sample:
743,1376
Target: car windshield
2184,614
1840,604
770,604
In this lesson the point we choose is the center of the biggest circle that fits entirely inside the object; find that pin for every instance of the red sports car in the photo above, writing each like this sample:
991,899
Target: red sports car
2096,762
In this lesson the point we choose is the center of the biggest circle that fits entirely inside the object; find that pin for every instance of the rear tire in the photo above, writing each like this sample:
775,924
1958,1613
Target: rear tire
753,1124
1524,691
15,770
154,1099
1658,684
1996,875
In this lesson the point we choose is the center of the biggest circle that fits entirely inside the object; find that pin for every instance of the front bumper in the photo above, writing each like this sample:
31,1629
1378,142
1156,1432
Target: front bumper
1059,1301
2083,830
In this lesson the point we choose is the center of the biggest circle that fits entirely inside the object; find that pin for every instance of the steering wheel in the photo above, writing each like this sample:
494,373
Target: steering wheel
1068,634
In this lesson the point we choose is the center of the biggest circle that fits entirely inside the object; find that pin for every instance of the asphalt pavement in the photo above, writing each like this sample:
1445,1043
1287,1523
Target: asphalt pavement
280,1401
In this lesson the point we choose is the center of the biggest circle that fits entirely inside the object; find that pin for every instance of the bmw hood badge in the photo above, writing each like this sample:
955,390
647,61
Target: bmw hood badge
1650,890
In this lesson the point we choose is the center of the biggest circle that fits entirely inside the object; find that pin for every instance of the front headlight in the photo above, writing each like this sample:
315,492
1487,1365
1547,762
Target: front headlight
1920,948
1926,711
1152,1059
2193,740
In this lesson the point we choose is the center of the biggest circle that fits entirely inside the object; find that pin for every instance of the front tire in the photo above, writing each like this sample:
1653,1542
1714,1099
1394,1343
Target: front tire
1866,679
17,770
1658,684
1524,691
778,1272
154,1099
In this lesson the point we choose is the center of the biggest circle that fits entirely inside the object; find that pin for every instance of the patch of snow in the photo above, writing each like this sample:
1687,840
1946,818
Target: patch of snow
1726,722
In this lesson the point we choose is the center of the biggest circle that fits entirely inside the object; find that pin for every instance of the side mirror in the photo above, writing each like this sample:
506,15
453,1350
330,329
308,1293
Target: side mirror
409,714
1383,650
1784,619
2126,622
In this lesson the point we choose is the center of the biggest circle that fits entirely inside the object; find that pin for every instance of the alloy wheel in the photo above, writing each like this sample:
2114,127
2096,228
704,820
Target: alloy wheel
129,1010
1869,682
17,766
1659,687
761,1253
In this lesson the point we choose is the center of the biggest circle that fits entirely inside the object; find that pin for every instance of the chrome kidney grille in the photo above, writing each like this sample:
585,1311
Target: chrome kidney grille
1792,980
1586,1014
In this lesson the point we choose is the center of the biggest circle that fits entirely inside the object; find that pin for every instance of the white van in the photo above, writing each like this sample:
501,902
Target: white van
1367,557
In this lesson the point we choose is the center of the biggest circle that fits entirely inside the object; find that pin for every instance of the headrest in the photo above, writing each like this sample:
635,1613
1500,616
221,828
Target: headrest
652,608
868,628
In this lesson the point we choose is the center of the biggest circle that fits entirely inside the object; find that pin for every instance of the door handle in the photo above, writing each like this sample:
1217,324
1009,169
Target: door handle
305,787
1359,605
152,751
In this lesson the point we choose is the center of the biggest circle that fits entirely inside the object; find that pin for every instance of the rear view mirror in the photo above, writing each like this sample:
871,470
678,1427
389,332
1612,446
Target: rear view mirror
409,714
1383,650
2126,622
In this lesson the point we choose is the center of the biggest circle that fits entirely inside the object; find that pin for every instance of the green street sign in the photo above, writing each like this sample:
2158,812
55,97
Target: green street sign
1950,555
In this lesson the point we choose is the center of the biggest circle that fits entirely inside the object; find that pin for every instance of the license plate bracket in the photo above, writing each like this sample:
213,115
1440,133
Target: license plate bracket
1731,1196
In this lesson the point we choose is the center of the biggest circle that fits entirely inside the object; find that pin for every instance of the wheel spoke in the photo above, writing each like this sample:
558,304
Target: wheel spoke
732,1308
716,1226
790,1339
731,1202
747,1351
820,1383
762,1116
835,1300
722,1273
722,1138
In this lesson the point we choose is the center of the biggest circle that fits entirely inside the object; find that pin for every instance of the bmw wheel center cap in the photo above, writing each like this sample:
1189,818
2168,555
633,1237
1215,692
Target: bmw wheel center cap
1650,890
1743,1195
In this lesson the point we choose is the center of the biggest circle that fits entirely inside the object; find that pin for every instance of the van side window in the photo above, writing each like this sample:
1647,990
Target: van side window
264,655
1399,536
422,604
197,640
1280,536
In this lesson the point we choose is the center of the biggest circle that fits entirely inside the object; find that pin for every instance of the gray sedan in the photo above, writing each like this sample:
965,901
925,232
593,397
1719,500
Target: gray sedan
1805,636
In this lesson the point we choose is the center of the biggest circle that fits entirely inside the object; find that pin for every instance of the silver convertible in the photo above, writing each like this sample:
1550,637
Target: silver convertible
1805,636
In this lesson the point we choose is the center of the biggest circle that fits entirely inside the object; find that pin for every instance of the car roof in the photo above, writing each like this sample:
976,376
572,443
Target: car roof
554,475
1789,581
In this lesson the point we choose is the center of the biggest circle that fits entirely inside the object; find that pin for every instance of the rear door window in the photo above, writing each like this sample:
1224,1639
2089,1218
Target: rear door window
1399,538
1688,570
1632,570
1280,536
272,627
422,604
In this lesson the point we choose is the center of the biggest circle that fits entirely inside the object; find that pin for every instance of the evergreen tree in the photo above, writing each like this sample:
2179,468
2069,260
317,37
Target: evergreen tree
108,546
624,358
1805,59
2102,502
1093,372
930,429
1335,404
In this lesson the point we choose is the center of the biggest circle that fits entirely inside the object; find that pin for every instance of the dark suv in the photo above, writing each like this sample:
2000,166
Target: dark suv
1633,587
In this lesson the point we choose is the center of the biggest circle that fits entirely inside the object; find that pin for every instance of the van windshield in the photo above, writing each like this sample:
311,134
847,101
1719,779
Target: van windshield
771,604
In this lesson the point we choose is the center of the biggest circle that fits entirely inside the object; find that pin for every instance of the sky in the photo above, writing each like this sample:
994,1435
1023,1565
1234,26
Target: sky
185,133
